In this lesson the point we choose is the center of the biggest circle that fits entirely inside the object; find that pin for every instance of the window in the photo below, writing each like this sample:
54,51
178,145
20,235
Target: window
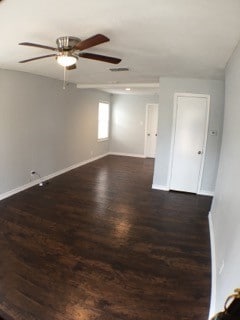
103,121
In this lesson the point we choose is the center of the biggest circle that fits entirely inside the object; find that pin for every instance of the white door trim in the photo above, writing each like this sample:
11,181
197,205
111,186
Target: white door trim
174,122
145,131
146,126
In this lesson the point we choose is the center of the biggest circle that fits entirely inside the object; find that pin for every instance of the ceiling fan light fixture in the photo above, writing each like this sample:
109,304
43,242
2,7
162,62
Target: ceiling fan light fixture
66,60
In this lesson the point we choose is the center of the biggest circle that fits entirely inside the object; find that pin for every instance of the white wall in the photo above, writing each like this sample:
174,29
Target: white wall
43,127
168,86
128,123
226,206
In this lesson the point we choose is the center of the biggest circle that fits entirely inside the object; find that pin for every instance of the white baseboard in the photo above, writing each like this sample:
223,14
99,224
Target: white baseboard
18,189
159,187
214,267
206,193
136,155
166,188
48,177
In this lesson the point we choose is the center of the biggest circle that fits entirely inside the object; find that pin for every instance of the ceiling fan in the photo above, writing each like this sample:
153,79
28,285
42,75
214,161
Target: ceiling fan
69,49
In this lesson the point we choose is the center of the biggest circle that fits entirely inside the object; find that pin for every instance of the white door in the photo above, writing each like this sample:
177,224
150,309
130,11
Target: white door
191,122
151,130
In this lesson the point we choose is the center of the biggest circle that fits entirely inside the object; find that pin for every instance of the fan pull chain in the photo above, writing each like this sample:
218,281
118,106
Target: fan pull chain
64,78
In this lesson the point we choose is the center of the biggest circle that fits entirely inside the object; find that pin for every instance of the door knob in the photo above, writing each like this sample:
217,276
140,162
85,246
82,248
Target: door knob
199,152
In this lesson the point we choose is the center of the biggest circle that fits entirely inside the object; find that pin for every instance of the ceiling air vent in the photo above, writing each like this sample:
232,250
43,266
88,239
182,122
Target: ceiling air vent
118,69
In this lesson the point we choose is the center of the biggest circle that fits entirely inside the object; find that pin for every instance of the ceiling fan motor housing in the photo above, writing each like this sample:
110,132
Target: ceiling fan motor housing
67,43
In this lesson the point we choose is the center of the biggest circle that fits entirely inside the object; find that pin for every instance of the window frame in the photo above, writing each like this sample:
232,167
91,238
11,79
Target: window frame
98,121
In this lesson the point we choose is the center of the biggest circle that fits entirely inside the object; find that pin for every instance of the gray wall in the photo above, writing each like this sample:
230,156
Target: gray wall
128,123
226,205
43,127
168,86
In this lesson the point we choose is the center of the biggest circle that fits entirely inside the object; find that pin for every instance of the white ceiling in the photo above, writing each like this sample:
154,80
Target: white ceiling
183,38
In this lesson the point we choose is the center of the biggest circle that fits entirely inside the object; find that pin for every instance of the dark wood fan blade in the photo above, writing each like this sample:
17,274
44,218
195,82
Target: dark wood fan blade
37,45
37,58
91,42
74,66
99,57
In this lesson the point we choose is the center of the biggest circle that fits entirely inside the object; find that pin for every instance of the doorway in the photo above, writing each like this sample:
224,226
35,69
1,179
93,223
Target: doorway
190,126
151,130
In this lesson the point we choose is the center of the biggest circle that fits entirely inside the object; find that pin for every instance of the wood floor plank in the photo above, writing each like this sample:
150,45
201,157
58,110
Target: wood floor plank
97,243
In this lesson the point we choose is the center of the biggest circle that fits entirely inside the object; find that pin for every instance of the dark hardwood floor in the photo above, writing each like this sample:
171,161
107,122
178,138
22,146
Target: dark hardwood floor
98,244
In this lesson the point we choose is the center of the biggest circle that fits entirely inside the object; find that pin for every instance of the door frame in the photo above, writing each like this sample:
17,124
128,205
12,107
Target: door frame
174,123
146,126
